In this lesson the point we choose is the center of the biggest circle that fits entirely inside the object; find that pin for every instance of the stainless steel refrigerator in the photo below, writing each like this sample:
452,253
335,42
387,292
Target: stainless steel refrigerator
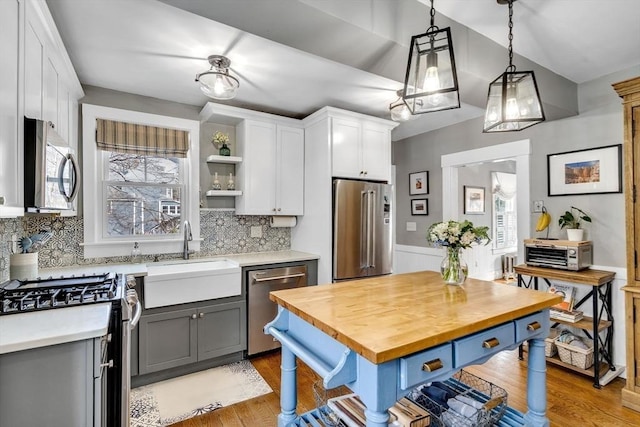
362,229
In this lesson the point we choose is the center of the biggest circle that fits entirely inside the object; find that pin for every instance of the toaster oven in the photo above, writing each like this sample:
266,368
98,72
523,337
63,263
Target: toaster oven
562,254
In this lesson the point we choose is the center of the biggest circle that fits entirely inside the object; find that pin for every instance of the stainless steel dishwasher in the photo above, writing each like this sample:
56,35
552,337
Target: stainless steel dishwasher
261,309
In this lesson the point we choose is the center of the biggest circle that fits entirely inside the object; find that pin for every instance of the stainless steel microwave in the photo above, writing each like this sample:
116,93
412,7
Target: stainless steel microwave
51,172
562,254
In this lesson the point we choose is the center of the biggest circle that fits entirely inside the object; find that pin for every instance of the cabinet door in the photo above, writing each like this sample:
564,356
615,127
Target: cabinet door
50,92
221,329
345,142
167,340
10,117
376,152
290,171
62,124
258,170
636,341
634,224
33,55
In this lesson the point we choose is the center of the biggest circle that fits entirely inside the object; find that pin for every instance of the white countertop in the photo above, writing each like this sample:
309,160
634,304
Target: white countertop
24,331
243,260
48,327
261,258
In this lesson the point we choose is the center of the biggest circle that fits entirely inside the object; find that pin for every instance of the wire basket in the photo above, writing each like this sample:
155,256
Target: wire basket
550,348
322,396
485,402
576,356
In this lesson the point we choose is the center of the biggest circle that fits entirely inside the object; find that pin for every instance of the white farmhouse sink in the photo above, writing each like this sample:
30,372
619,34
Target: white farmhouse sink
190,281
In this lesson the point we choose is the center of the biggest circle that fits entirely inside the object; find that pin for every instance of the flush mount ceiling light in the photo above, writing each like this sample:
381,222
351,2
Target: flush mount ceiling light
217,83
431,82
399,110
513,102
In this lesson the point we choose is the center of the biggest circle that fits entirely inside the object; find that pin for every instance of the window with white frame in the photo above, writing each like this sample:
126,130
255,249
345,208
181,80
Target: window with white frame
139,172
505,224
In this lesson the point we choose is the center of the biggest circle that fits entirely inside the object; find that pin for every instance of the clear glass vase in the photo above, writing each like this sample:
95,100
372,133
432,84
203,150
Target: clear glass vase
453,268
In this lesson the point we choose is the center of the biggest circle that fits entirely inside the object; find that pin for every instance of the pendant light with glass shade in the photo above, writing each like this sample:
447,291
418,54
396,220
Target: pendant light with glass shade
217,83
431,82
399,110
513,102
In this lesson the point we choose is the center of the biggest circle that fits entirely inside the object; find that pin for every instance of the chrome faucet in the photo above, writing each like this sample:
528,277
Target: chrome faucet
187,238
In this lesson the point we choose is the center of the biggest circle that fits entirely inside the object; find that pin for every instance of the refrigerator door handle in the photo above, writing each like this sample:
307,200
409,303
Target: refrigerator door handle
372,230
364,229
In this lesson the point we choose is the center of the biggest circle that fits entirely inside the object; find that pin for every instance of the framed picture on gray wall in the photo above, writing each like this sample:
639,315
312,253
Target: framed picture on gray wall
590,171
419,207
473,200
419,183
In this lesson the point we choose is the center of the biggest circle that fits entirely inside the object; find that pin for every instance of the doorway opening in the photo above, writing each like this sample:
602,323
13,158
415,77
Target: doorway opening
486,263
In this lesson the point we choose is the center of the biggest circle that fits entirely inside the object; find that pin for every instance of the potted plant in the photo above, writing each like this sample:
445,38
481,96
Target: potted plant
571,221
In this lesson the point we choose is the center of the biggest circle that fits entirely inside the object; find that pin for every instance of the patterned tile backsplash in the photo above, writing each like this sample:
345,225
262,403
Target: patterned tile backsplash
222,232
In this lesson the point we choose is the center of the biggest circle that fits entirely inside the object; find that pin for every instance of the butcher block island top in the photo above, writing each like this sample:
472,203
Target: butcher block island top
387,317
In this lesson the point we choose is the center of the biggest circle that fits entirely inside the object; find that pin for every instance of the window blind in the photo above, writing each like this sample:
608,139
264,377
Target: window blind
131,138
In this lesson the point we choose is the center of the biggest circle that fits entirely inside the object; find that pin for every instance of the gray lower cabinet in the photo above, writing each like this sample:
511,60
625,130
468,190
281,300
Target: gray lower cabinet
57,385
183,336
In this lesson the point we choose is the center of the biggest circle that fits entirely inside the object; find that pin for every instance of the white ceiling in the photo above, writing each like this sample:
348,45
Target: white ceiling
294,56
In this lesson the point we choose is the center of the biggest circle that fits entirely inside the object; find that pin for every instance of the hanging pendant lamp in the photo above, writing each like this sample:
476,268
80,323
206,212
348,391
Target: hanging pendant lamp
217,83
431,82
399,110
513,102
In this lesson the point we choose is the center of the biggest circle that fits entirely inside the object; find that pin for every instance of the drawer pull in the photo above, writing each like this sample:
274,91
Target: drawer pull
491,343
534,326
432,365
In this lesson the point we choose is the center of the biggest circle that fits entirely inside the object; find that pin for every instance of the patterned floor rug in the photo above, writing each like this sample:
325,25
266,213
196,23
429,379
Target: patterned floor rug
167,402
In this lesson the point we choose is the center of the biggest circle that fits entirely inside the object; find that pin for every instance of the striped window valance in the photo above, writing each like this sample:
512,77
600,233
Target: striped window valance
131,138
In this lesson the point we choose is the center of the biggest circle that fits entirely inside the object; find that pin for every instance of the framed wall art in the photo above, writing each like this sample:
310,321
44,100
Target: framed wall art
419,207
589,171
473,200
419,183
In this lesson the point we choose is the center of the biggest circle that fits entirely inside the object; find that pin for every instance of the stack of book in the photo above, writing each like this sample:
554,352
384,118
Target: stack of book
566,315
404,413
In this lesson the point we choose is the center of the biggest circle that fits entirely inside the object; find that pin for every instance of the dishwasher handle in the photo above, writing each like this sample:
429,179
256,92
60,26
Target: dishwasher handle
271,278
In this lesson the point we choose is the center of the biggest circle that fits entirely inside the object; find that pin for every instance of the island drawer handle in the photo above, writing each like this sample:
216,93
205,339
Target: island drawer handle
432,365
534,326
491,343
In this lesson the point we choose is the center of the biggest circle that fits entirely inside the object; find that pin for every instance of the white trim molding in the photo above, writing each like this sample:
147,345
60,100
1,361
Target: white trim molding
94,243
520,151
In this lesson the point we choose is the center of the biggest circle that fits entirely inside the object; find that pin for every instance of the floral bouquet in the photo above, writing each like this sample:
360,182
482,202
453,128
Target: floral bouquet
456,236
219,139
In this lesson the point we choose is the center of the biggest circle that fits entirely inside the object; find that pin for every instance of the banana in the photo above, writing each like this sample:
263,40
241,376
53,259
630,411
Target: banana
543,220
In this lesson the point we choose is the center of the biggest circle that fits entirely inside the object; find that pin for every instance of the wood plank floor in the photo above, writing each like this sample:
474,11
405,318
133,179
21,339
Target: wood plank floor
572,400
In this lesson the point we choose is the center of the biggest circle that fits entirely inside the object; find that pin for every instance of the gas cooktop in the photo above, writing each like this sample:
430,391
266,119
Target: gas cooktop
19,296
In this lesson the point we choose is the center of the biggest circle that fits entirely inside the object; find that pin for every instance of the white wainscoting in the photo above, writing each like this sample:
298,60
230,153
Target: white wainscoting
408,259
482,262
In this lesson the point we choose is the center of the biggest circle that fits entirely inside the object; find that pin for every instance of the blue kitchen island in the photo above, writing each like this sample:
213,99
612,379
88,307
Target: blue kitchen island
383,336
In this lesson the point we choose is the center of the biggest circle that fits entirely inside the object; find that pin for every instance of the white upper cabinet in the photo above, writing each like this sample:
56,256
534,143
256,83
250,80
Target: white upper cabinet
33,70
37,80
271,174
376,151
290,171
361,148
11,124
51,87
346,143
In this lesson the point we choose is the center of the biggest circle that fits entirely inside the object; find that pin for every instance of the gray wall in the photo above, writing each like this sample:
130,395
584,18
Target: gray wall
598,124
128,101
